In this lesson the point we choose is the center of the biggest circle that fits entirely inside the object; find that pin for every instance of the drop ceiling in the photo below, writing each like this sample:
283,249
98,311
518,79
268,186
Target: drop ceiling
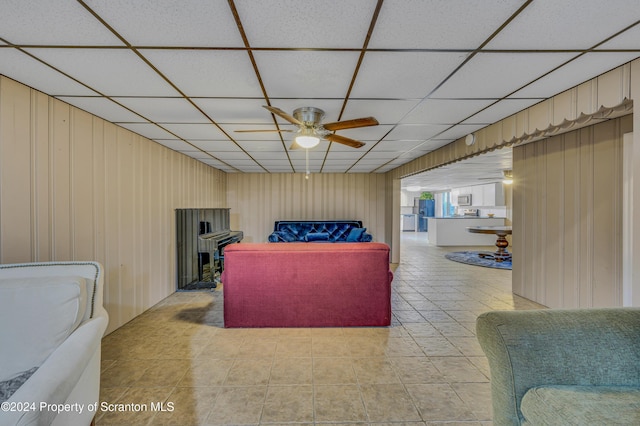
189,74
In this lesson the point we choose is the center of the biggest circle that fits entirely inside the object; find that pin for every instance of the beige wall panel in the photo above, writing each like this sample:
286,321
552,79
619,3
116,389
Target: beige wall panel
552,222
509,128
99,186
15,172
41,237
257,200
585,218
82,188
564,107
567,217
522,123
540,115
493,135
519,249
60,116
112,222
570,234
607,213
126,227
587,97
612,86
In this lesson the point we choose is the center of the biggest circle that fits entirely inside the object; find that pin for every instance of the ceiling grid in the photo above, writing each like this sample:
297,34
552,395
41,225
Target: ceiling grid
190,75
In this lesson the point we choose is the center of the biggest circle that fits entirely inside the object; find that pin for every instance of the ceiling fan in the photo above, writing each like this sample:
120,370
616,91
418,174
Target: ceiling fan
311,129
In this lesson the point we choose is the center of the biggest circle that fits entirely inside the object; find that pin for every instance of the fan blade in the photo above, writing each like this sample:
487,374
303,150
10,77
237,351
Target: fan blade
351,124
281,113
345,141
263,131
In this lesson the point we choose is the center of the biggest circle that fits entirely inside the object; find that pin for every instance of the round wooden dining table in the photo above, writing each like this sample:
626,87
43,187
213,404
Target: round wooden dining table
502,254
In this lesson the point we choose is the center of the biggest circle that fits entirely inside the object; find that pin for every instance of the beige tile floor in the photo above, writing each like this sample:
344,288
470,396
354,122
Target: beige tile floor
426,369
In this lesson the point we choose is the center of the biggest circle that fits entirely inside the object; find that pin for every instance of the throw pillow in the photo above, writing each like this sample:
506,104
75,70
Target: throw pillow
355,234
317,236
285,236
9,387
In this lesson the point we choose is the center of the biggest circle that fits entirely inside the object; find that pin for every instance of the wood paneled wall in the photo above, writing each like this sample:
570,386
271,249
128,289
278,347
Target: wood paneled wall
257,200
567,219
75,187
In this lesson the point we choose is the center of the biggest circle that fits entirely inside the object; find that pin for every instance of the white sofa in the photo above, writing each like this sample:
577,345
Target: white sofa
52,321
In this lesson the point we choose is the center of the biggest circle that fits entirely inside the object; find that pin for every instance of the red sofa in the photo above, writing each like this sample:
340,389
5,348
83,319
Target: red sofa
307,285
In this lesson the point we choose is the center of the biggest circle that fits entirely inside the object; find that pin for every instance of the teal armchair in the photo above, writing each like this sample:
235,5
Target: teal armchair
563,367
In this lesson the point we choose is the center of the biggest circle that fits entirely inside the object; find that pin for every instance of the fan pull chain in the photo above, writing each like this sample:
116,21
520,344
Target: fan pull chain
307,163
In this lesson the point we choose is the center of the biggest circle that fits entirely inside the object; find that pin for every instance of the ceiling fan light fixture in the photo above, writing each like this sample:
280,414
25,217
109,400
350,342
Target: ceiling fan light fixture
306,138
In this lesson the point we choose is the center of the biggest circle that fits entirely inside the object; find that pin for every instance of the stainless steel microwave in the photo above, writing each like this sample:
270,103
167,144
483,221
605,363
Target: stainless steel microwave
464,200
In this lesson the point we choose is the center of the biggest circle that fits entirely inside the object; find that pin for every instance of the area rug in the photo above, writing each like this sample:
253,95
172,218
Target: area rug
473,258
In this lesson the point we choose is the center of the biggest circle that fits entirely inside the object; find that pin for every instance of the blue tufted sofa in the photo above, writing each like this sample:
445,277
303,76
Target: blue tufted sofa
319,231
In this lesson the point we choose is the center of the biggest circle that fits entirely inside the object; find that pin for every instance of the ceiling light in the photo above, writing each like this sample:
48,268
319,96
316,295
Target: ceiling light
508,177
306,138
413,188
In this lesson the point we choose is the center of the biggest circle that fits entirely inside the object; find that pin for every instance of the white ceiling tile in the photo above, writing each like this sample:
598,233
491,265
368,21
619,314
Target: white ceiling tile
230,110
270,156
309,24
52,23
228,156
231,130
171,23
380,154
403,75
103,108
495,75
445,111
584,68
315,154
363,168
275,163
148,130
567,24
164,110
198,155
262,146
205,73
626,40
113,72
437,24
396,145
331,107
21,67
215,146
501,110
196,44
309,74
352,155
375,163
280,169
415,132
434,144
386,111
175,144
194,131
460,131
372,133
249,168
240,162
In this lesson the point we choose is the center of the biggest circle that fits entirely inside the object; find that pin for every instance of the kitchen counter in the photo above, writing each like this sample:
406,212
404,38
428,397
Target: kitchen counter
452,231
